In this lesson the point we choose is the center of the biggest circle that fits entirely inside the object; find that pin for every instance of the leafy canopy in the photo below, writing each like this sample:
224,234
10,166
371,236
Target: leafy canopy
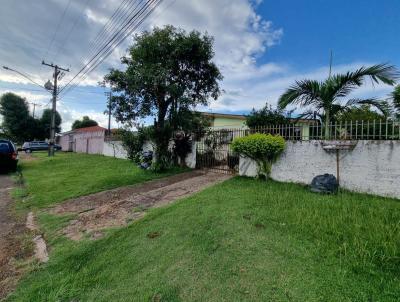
266,116
85,122
45,121
165,67
19,125
167,71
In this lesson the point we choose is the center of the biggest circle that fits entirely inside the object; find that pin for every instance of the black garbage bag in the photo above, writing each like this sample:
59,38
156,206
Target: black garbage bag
326,183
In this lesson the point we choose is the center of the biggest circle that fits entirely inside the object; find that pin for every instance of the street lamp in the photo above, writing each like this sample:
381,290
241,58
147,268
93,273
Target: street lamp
25,76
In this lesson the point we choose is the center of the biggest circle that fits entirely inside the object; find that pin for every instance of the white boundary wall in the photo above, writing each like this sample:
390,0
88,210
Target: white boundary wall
371,167
114,149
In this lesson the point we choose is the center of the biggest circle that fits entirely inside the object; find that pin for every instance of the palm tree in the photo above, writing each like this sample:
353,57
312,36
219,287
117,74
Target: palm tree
326,97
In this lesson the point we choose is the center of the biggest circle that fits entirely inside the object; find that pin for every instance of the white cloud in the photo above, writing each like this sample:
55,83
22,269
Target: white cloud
241,37
69,115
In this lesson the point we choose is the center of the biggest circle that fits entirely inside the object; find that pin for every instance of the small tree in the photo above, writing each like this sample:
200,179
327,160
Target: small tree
266,116
264,149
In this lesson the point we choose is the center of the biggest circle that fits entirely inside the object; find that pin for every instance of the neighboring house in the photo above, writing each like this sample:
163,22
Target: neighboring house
84,140
226,121
221,121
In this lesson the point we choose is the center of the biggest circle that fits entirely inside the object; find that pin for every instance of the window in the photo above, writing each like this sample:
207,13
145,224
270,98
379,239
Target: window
4,148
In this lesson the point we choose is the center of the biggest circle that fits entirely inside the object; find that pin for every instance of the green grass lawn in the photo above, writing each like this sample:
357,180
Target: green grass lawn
242,240
67,175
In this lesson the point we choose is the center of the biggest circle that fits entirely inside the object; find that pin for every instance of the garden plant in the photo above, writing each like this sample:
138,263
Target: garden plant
264,149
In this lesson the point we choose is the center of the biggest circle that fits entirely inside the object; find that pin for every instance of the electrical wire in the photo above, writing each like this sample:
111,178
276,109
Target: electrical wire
57,28
75,22
98,51
132,24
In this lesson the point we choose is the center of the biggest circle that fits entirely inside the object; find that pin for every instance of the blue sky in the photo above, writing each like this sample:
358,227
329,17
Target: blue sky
356,30
261,46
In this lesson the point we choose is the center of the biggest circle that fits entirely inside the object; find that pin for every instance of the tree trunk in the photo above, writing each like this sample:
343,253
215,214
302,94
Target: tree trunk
327,122
161,140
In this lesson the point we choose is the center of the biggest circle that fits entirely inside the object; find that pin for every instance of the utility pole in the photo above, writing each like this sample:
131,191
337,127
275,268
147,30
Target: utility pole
57,70
34,108
109,95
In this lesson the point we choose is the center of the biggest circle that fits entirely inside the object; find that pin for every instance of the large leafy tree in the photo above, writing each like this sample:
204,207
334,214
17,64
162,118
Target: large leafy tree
326,98
17,123
83,123
45,122
167,70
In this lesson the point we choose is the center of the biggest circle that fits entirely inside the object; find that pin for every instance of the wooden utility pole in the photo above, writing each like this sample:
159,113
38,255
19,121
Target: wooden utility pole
57,70
109,95
34,108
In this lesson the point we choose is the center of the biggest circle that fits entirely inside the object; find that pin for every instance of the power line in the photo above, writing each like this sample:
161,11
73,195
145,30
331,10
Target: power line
102,34
57,28
165,8
98,50
106,28
132,24
75,22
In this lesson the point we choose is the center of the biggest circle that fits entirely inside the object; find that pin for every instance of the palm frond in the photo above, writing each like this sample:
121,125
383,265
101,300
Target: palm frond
304,93
341,85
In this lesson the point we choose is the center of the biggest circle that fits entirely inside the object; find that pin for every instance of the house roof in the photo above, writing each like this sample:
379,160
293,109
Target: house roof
224,115
243,117
91,129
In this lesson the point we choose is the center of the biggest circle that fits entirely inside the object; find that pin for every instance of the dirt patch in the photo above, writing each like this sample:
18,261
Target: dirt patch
120,206
27,156
40,245
11,245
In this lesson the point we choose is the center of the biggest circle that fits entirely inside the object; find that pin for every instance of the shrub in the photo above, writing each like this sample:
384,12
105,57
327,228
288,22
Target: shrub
182,146
264,149
133,142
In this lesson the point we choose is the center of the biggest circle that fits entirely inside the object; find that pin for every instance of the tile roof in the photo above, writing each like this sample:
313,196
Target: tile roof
91,129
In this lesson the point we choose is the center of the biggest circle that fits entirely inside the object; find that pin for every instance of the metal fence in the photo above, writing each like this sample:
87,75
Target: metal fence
352,130
213,150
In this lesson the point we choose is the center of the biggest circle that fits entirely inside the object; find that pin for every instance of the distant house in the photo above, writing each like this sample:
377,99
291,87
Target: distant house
84,140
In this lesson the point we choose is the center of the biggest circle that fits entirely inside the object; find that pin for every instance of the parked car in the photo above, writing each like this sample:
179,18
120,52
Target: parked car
8,155
29,147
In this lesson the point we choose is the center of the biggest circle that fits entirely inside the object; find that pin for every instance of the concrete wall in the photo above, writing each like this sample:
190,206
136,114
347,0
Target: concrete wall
89,142
114,149
66,143
190,159
371,167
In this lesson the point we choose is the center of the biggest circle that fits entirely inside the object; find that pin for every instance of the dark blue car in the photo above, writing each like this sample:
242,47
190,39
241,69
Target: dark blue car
8,156
29,147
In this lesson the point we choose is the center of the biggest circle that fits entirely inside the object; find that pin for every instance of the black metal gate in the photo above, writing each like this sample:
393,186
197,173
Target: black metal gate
213,151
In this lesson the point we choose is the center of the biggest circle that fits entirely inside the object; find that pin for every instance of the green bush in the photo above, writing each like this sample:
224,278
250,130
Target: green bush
133,142
264,149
